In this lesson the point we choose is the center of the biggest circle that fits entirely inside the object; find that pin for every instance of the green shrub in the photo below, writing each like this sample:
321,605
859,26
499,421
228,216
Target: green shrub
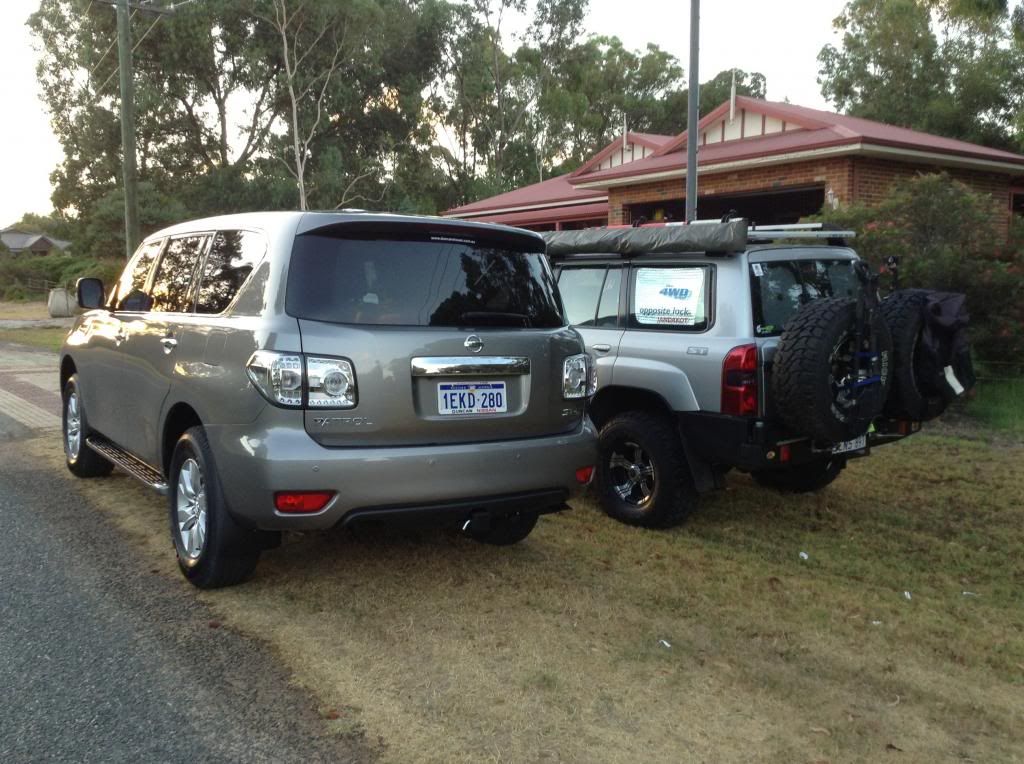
22,277
944,235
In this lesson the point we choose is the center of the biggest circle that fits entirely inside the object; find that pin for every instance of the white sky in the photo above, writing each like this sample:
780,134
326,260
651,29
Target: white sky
780,39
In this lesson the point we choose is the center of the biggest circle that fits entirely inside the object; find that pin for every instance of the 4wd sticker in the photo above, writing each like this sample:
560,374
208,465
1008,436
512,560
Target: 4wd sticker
669,296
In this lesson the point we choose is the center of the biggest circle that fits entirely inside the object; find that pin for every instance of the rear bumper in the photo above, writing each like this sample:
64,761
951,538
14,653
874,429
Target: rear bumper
433,484
759,444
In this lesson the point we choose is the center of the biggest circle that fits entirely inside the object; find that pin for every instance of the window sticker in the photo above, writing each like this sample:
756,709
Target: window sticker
669,296
758,270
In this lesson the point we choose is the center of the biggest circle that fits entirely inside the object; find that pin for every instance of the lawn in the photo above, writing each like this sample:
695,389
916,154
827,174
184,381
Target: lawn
900,635
999,404
23,310
49,338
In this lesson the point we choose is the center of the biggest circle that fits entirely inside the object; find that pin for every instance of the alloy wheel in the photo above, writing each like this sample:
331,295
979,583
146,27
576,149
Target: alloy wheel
191,506
72,426
632,473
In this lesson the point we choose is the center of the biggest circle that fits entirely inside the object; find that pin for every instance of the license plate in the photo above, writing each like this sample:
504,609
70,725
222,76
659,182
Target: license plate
471,398
857,444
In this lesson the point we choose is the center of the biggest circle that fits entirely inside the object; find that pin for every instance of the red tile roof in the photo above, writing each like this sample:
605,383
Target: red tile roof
821,129
595,211
556,189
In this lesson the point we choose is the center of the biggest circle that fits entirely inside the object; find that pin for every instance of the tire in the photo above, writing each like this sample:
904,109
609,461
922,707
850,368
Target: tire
212,549
80,459
643,477
508,530
904,314
805,478
814,358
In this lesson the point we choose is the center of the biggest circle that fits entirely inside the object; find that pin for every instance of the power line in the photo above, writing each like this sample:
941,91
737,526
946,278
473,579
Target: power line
135,47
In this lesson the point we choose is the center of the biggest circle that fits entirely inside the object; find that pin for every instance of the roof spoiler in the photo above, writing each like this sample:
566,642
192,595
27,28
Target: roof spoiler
702,236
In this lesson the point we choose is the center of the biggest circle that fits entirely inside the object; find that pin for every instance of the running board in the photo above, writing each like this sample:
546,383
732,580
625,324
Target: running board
134,466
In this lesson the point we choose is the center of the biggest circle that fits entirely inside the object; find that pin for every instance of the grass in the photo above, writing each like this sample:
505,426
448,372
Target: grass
48,338
999,404
23,310
595,642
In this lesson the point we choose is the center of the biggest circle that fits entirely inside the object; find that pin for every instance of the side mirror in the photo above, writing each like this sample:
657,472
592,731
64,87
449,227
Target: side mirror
90,293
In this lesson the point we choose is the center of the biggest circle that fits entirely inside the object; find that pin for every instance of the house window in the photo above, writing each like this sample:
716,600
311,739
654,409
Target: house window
1017,202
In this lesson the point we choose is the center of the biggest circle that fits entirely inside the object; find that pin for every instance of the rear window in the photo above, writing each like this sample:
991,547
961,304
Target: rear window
779,289
420,282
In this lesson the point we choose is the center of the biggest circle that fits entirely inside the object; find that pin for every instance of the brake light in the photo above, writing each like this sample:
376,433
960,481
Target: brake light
739,381
302,501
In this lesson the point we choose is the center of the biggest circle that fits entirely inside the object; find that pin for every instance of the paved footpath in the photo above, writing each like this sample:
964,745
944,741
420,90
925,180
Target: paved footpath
29,391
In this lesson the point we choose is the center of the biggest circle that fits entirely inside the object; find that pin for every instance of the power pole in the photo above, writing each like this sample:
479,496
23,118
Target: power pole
124,58
693,117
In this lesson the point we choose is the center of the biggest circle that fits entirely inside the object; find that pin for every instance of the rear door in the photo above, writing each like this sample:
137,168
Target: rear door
453,339
593,297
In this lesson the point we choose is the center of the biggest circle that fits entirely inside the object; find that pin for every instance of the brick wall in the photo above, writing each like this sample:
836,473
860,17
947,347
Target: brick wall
852,179
835,174
874,177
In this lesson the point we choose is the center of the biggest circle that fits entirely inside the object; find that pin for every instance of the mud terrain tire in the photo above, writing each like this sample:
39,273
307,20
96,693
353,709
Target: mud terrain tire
812,361
904,313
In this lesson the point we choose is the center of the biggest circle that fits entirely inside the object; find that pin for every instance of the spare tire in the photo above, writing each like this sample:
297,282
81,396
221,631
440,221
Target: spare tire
814,376
910,397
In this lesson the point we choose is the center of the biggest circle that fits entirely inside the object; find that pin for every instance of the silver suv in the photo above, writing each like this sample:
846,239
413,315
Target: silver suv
296,371
718,347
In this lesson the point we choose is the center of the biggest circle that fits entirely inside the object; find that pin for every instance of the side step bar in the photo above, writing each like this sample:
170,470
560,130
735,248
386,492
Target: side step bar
134,466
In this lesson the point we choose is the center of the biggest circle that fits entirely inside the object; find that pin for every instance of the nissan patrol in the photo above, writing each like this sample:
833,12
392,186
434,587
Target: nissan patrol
295,371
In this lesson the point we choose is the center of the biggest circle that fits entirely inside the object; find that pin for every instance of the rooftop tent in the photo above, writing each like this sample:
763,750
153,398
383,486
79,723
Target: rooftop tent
721,238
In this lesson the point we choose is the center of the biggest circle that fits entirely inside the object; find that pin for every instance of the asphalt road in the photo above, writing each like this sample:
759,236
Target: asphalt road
103,660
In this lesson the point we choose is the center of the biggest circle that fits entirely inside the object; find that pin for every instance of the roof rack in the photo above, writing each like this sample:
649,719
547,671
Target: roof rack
825,231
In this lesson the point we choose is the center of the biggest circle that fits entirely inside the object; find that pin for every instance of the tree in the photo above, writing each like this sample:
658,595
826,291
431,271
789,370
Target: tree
313,37
966,81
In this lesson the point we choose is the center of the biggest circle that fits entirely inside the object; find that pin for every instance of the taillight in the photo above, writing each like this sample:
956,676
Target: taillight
578,381
291,380
739,381
302,501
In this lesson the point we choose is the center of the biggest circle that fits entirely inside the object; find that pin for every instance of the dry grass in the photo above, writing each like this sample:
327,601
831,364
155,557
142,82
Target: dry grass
442,650
23,310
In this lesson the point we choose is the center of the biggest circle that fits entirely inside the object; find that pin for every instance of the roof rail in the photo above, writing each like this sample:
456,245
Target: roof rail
825,231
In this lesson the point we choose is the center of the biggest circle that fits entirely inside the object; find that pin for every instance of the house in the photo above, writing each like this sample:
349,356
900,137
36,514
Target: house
770,162
19,242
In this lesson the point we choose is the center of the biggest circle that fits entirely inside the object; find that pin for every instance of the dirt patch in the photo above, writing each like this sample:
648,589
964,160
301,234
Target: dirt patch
717,641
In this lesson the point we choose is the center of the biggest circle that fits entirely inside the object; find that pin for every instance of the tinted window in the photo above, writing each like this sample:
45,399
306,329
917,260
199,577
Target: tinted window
670,298
608,308
130,293
581,291
779,289
419,283
172,287
232,257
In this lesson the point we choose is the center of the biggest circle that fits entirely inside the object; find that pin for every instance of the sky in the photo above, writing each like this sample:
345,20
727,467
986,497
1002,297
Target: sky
780,39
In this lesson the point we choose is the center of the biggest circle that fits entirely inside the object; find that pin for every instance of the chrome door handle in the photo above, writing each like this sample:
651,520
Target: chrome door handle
169,344
602,348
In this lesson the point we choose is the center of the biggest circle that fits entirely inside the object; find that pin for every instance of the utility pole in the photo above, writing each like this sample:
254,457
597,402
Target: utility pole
693,116
124,58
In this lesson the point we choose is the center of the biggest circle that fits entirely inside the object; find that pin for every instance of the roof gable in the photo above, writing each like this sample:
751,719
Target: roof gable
623,150
753,118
